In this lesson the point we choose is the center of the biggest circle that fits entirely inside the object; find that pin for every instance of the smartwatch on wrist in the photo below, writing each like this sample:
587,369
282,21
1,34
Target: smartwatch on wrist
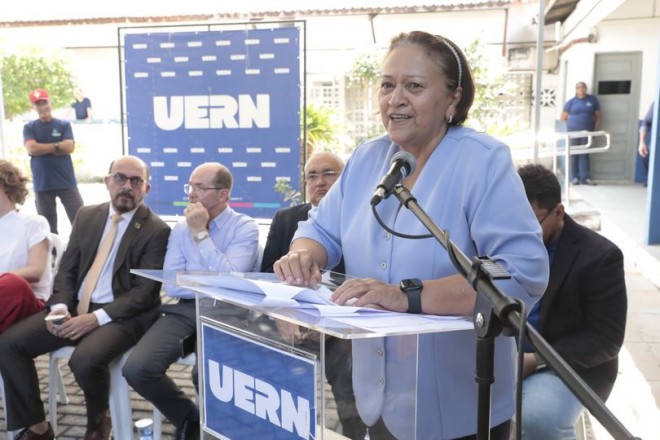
56,146
412,287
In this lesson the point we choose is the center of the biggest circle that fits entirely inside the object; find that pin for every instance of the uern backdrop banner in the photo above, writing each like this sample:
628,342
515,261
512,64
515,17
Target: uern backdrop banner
228,96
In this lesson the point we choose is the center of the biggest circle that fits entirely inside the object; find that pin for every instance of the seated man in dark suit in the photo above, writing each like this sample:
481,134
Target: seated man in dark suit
212,236
321,172
582,313
104,309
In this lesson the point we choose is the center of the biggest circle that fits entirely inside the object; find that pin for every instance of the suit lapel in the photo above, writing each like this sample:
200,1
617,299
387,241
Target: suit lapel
568,250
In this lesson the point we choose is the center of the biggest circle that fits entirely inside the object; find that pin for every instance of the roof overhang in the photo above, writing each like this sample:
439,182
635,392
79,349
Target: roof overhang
559,10
157,11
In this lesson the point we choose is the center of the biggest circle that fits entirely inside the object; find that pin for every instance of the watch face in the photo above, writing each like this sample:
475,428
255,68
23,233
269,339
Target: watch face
411,283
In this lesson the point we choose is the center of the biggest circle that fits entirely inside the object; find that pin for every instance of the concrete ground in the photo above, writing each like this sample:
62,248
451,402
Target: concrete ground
72,417
620,211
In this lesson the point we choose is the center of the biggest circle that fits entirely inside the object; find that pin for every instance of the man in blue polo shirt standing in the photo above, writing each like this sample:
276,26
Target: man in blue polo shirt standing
49,142
581,113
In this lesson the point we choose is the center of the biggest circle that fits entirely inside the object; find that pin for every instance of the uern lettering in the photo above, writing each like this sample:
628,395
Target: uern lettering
213,111
260,398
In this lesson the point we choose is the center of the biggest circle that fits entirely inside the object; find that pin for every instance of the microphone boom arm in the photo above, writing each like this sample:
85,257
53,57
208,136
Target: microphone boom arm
495,311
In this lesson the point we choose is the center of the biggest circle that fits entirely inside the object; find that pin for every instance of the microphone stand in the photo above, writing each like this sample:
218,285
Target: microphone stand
495,312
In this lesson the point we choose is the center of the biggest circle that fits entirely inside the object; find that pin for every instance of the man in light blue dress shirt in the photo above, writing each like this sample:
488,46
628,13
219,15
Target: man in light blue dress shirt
212,237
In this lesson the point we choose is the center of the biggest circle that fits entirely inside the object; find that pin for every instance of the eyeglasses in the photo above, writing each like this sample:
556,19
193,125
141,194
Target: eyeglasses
121,178
313,177
547,214
189,189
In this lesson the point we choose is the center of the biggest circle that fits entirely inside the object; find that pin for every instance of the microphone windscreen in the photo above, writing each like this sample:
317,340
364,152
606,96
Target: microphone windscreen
408,158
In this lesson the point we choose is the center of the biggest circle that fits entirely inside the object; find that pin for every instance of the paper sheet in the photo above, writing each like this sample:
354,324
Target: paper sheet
271,287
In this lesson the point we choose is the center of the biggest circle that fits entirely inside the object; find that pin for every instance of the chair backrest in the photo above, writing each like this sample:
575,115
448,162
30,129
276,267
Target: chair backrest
58,245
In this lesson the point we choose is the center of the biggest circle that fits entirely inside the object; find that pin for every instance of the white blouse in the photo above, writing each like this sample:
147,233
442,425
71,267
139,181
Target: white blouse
18,234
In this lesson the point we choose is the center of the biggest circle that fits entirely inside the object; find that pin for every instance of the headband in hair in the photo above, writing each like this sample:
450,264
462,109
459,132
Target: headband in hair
458,59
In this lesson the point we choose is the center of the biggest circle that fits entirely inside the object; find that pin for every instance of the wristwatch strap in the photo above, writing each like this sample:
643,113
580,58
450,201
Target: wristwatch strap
414,300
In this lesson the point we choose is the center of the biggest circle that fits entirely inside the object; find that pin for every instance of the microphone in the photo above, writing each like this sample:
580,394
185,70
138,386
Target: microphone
403,164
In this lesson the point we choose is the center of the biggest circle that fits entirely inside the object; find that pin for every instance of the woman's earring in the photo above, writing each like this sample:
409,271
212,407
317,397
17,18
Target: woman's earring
450,118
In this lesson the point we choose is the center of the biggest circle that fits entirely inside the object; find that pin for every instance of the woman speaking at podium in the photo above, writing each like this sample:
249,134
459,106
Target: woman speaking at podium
466,182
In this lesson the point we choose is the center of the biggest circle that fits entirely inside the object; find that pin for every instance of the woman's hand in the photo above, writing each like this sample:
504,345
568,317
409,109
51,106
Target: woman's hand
369,292
298,267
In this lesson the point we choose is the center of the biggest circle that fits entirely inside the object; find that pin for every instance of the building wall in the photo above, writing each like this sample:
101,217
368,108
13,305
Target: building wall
333,42
634,26
617,37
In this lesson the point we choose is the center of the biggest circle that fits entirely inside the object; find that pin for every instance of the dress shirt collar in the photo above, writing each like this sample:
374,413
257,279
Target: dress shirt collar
128,216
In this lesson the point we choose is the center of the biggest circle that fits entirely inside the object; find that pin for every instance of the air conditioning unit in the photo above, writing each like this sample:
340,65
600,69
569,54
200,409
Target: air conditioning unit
524,58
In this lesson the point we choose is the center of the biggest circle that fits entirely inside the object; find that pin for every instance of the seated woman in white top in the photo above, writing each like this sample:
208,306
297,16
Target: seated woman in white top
25,261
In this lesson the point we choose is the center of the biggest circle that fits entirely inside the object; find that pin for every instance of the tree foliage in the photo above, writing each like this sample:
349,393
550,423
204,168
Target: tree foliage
322,128
22,73
290,195
492,92
322,132
366,68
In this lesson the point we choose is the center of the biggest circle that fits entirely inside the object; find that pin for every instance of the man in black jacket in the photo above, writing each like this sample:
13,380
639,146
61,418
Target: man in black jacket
321,172
582,313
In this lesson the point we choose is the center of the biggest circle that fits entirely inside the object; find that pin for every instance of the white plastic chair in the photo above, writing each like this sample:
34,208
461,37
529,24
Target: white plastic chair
10,434
120,397
157,417
57,244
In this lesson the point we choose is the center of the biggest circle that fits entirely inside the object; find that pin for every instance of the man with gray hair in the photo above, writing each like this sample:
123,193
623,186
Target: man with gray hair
321,172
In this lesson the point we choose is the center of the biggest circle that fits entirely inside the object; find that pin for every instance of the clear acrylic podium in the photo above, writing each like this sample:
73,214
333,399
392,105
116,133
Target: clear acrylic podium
269,371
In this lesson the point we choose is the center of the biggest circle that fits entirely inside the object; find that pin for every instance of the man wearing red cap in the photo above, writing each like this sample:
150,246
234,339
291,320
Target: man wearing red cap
49,142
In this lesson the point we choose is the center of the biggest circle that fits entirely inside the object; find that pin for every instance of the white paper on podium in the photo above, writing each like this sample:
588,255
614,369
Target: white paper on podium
274,292
405,322
268,285
266,290
337,310
361,317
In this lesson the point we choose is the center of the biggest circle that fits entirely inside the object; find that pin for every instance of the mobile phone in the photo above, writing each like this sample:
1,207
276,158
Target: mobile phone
188,344
55,319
